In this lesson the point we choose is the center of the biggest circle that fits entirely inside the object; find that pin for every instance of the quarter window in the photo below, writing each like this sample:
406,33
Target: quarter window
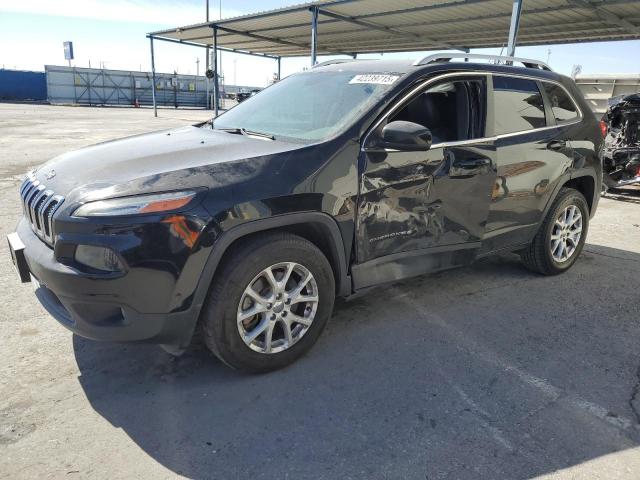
518,105
563,107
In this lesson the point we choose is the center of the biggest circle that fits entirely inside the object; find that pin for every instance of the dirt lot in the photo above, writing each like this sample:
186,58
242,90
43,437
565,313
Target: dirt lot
485,372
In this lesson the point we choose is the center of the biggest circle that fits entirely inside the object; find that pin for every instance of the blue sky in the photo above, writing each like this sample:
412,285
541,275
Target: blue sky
112,32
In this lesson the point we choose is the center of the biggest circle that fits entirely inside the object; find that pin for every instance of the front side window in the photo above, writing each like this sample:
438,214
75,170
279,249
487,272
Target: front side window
453,110
563,107
518,105
310,106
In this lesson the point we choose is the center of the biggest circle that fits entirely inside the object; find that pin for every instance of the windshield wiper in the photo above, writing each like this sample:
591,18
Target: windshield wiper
249,133
252,133
237,131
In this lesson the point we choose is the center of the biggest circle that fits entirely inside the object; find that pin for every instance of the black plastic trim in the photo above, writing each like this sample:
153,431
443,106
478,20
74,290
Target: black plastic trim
398,266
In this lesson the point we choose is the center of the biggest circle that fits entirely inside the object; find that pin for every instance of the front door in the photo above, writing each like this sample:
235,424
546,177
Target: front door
434,201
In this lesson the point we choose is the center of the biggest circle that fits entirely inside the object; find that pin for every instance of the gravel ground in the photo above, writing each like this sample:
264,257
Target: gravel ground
485,372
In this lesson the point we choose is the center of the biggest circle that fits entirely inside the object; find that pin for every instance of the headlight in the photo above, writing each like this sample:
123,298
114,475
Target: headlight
153,203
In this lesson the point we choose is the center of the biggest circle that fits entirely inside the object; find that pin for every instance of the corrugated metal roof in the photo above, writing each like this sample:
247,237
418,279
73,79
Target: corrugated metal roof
371,26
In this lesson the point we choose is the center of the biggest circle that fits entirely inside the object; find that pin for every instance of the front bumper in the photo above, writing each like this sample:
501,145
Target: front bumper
99,307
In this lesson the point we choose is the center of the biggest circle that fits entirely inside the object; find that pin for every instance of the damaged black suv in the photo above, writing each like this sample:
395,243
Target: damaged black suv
332,181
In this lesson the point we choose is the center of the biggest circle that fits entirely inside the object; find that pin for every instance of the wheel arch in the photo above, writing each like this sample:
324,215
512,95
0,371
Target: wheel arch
585,183
316,227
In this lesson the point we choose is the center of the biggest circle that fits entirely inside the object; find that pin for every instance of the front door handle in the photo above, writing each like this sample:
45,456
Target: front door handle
556,145
472,163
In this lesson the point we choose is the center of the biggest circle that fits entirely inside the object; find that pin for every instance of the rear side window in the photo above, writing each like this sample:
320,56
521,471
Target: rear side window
563,107
518,105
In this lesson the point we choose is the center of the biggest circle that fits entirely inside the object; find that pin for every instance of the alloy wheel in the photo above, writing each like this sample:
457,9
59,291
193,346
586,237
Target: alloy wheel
566,234
277,307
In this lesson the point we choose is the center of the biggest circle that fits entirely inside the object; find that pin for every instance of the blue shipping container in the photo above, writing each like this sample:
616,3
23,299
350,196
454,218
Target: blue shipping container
22,85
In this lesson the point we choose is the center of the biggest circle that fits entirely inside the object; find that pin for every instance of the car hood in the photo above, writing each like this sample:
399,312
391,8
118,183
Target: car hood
165,160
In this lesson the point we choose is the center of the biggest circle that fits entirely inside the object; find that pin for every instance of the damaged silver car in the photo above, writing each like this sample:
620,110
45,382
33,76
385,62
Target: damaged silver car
621,155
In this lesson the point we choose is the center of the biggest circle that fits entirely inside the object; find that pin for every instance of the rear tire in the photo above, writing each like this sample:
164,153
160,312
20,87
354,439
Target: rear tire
561,236
286,324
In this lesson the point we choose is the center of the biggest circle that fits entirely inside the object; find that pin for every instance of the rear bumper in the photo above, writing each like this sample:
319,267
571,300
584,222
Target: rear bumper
95,307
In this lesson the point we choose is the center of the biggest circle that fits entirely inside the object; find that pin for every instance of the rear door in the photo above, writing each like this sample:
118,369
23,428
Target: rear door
533,152
436,200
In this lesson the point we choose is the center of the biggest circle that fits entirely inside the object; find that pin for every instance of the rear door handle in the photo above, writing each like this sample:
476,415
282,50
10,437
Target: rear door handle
556,145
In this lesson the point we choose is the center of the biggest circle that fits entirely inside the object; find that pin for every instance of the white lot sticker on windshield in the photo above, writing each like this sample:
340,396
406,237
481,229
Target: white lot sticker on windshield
379,78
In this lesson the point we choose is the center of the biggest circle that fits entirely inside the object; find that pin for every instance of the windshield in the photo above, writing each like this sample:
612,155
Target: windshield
308,106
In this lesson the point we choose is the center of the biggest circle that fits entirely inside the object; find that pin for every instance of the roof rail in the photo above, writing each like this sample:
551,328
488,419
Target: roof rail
331,62
445,57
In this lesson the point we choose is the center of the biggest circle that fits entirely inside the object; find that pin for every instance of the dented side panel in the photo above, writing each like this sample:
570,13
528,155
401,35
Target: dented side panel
416,200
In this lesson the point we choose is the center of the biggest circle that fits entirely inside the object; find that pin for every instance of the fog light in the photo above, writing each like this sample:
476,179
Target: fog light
98,258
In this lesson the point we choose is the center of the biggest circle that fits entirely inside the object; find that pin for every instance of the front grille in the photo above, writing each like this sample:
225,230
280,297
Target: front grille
39,204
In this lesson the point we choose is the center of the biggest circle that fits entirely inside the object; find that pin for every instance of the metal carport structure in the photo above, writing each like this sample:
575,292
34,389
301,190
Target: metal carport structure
351,27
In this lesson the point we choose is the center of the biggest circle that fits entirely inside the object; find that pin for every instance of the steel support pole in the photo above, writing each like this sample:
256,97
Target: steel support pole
514,27
153,80
279,58
206,67
216,86
207,82
314,35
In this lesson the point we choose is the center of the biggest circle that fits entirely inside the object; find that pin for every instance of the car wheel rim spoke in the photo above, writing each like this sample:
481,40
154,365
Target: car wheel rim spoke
278,307
258,330
566,234
256,297
288,336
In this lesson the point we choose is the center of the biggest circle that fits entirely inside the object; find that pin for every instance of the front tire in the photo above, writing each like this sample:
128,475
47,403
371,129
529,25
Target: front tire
561,237
269,302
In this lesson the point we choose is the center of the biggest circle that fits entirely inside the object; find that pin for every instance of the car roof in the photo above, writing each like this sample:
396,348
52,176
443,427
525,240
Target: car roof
407,67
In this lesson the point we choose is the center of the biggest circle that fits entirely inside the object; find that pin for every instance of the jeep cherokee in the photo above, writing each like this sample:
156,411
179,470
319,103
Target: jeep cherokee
347,176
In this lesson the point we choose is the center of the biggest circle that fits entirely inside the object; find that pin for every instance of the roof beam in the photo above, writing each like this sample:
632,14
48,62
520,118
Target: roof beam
479,43
272,39
448,37
386,28
492,16
445,5
262,37
607,16
224,49
279,11
422,8
382,28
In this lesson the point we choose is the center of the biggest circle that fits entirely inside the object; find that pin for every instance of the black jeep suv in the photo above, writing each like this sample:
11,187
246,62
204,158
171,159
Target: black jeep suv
327,183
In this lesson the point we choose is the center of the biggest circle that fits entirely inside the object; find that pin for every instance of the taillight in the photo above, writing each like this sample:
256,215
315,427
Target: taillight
603,128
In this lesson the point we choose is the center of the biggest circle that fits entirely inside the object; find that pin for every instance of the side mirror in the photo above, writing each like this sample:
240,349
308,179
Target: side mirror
405,136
